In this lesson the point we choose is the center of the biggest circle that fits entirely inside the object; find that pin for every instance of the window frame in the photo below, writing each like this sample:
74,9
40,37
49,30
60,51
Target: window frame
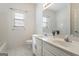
45,22
18,20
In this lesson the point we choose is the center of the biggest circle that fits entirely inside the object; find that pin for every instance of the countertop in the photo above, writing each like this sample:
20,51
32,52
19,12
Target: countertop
58,41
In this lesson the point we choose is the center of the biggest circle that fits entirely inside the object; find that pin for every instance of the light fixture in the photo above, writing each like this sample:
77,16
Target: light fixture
46,5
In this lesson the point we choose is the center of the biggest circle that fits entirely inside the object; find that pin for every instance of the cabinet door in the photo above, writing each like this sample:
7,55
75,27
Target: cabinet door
47,53
37,46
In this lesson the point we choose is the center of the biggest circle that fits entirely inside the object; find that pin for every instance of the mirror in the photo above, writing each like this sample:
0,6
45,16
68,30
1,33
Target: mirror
62,17
57,18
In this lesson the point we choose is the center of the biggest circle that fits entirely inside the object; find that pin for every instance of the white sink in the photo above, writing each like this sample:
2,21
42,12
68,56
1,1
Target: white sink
62,43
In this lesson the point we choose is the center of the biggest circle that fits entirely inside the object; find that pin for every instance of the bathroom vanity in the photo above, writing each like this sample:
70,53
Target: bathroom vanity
54,46
63,19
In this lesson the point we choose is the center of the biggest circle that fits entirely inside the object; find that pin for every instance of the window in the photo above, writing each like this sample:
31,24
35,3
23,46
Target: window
44,21
19,19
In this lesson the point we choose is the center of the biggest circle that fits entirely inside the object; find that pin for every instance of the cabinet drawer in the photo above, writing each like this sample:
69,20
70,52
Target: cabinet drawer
38,47
54,50
47,53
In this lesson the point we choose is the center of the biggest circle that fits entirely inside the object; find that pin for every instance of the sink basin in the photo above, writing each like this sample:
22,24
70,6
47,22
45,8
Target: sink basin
62,43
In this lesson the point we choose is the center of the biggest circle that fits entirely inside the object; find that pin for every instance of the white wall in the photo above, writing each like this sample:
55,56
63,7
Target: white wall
17,36
3,25
63,19
39,18
51,15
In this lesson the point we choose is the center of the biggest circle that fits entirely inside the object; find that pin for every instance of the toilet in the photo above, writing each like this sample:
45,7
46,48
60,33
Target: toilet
28,43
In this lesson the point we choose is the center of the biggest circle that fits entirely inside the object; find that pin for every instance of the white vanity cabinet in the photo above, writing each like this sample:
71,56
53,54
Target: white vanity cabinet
54,50
37,46
43,48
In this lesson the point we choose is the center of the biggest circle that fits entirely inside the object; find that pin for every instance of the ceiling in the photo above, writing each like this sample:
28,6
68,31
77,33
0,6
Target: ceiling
57,6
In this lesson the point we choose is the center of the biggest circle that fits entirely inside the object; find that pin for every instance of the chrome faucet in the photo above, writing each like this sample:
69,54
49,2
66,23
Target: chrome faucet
67,39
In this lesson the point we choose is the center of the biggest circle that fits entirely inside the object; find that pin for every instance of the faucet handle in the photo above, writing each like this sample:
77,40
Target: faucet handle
67,39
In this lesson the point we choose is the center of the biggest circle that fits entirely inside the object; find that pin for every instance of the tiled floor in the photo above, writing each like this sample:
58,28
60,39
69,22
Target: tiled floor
25,50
